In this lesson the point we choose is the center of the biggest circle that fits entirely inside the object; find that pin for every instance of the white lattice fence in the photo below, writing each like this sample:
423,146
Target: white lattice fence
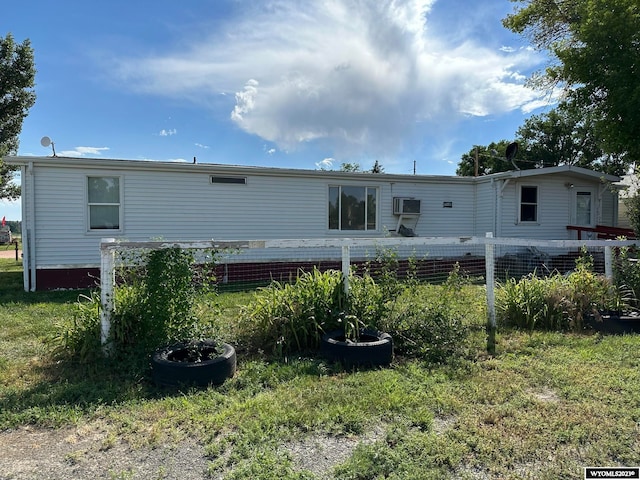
246,263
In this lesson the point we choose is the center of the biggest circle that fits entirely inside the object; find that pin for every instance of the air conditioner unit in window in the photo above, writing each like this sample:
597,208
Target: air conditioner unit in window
406,206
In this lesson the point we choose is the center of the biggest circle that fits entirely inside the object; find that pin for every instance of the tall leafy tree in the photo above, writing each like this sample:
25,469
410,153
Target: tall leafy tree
350,167
17,79
377,167
567,136
491,158
595,50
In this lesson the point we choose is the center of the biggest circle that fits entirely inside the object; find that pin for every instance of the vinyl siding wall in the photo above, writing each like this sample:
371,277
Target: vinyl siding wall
555,207
187,206
176,204
435,220
485,208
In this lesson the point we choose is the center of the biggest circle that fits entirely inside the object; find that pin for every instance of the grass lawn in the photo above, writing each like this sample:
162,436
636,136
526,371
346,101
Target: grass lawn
545,406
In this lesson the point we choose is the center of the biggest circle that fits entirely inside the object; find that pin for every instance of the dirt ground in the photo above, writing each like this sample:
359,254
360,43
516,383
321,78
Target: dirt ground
9,252
88,453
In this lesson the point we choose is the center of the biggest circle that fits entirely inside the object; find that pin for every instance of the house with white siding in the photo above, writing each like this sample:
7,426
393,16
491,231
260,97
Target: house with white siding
70,204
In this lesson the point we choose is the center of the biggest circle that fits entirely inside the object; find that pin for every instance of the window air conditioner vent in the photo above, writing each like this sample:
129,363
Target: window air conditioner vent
406,206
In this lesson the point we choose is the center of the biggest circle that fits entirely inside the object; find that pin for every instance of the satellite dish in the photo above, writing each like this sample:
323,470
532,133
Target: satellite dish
46,141
512,149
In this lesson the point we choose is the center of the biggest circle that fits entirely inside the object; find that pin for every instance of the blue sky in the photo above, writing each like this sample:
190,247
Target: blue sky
284,83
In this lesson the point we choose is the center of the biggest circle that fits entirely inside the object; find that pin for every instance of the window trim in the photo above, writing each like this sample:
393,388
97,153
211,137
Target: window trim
87,205
521,203
364,231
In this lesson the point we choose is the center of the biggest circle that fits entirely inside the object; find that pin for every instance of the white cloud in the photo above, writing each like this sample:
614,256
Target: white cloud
353,75
325,164
82,151
202,146
167,133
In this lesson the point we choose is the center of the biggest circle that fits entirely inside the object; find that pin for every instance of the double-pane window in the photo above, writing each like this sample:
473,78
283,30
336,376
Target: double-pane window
103,195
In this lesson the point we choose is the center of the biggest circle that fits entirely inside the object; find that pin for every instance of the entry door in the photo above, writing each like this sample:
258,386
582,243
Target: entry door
584,212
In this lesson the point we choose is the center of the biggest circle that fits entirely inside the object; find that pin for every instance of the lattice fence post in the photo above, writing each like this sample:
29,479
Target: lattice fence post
608,262
491,294
346,266
107,285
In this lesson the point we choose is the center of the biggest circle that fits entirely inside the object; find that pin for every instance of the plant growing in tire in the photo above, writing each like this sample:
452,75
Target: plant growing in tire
314,313
194,363
188,352
359,342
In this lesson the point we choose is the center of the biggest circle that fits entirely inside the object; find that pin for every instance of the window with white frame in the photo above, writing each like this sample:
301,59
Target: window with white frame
103,196
528,203
353,208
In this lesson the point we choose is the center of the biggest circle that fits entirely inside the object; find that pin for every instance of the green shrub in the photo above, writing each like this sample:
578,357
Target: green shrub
555,302
531,303
285,317
627,277
424,322
154,304
429,322
79,336
288,317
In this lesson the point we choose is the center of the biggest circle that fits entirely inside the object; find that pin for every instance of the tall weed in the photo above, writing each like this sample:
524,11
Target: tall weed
430,322
79,336
286,317
627,277
154,304
555,302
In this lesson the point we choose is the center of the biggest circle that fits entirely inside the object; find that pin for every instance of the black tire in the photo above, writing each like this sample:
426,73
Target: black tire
168,373
374,349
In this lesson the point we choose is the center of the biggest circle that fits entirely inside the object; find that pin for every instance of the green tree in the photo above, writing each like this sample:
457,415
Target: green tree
350,167
566,135
594,46
490,159
377,167
17,79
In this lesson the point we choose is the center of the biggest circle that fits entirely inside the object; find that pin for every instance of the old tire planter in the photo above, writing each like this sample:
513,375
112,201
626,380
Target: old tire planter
615,322
170,369
373,349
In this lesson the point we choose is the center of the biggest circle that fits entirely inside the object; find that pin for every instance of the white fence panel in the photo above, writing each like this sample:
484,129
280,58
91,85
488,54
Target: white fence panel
488,257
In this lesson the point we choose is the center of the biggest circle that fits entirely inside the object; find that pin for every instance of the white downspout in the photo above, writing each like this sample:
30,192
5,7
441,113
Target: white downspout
31,250
495,207
599,207
24,231
499,196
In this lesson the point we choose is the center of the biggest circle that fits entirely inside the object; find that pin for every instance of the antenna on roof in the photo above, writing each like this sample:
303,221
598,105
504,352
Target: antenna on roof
46,141
512,149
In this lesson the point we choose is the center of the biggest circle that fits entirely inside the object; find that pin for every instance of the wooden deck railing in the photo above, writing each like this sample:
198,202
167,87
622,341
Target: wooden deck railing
603,232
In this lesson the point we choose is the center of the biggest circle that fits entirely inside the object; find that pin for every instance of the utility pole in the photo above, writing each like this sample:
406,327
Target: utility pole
476,162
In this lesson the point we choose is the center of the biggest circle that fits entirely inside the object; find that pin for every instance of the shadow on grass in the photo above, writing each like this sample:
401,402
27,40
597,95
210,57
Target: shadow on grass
11,290
67,390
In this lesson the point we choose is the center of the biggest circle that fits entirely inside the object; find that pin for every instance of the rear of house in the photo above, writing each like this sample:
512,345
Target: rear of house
70,204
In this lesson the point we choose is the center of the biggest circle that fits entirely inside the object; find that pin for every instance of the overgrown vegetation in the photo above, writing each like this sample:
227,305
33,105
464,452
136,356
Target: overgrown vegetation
546,405
285,318
433,322
627,277
162,298
556,302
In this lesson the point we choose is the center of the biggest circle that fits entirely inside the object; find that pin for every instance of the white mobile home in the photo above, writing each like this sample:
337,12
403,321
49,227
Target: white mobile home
70,204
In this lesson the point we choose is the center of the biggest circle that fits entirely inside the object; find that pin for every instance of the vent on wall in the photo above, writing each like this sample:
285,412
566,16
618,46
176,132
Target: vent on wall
229,180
